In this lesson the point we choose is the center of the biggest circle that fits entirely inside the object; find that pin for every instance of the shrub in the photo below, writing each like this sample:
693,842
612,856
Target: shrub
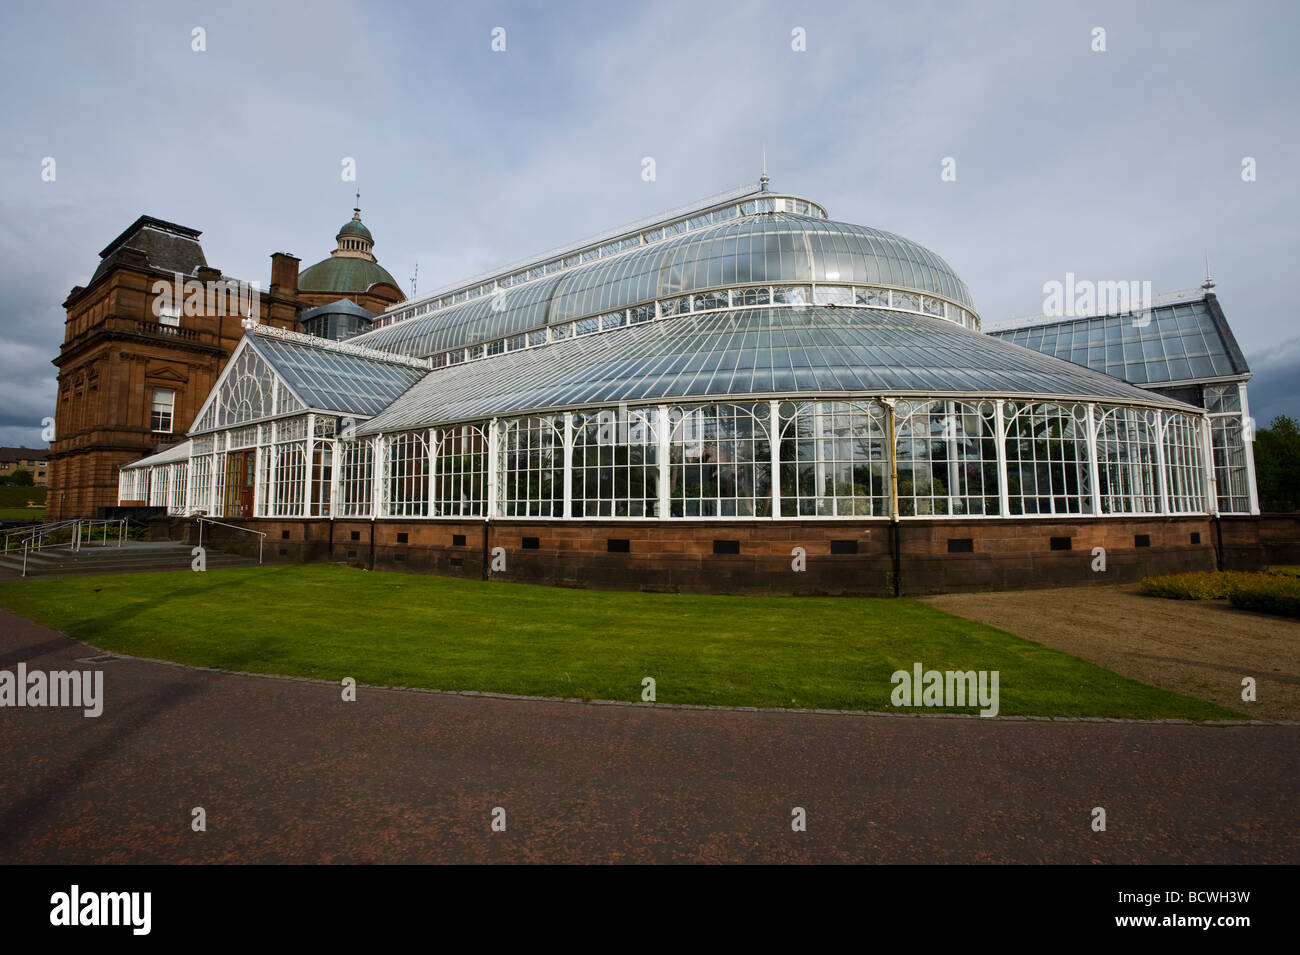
1284,571
1196,585
1268,593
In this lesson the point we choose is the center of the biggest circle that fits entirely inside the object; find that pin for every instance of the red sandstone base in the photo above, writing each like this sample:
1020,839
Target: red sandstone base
840,558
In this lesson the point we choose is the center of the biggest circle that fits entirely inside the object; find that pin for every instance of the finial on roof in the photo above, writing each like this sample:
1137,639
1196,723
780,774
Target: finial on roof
1209,282
356,210
763,180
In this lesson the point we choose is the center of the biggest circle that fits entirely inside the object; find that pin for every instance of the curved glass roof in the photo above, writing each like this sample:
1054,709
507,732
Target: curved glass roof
772,248
761,352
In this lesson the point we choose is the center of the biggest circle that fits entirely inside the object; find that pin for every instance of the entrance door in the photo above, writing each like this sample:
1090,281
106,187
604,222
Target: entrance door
241,469
246,489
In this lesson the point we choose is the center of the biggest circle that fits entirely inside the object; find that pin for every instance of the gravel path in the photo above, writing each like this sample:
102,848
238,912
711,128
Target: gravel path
1200,648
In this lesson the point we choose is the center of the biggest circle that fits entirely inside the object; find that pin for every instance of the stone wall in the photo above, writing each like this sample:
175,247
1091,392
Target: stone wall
840,557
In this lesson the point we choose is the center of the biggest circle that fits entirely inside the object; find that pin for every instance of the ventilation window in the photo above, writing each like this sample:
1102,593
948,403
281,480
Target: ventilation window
966,545
356,536
402,537
1061,543
1141,540
531,543
1196,537
618,545
726,547
844,547
284,535
457,540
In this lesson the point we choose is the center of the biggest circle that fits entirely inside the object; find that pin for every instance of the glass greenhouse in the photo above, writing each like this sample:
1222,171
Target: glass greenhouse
744,359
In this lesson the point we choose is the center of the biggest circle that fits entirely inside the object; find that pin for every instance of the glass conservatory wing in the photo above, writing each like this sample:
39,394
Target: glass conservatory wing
329,380
818,350
1174,342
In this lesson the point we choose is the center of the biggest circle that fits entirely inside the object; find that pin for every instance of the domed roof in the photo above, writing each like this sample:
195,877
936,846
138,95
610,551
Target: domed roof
344,274
355,227
770,249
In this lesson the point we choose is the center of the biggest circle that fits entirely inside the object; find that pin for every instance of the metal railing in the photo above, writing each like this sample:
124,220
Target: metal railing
80,531
37,533
84,531
261,536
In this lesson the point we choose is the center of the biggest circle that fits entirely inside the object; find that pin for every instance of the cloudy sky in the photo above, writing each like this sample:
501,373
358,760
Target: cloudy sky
1122,164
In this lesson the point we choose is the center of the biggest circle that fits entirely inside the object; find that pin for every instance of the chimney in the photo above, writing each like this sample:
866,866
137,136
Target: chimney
284,275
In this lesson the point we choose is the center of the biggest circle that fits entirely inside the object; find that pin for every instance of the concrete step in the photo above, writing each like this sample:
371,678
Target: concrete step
131,557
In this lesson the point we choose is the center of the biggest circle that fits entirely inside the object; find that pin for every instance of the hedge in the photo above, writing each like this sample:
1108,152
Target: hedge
1196,585
1263,593
1268,594
12,495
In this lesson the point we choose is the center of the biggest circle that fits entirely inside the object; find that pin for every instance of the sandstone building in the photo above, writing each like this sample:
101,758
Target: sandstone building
147,336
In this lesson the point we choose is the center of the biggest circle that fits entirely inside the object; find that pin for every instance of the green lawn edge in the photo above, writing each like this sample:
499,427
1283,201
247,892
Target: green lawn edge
391,629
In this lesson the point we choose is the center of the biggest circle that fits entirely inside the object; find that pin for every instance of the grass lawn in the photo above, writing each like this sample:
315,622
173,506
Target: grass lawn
22,513
406,630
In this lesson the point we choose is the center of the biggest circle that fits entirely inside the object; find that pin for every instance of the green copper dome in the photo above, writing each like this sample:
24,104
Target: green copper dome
344,274
355,227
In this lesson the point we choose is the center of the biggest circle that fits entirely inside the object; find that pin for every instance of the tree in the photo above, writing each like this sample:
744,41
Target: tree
1277,465
21,478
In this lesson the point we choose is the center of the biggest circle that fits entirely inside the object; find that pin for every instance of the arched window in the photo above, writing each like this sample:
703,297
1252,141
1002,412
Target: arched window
720,461
356,479
947,457
1183,464
834,459
532,467
460,472
1128,462
1047,459
616,463
406,482
246,394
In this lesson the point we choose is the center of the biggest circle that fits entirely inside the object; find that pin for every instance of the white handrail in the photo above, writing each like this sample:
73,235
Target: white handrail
247,530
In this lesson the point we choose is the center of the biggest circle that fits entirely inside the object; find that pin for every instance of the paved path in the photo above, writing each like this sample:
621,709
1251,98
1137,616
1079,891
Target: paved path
288,772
